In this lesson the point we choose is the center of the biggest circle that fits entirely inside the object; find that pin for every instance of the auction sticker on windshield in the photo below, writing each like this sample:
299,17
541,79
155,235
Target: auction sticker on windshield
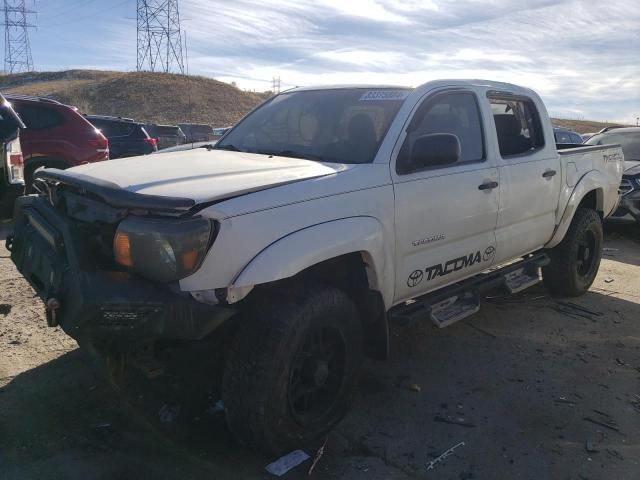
372,95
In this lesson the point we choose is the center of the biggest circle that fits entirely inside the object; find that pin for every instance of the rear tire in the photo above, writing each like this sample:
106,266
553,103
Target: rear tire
575,261
293,369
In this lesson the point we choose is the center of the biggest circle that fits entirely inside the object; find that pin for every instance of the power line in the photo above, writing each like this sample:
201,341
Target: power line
17,48
159,36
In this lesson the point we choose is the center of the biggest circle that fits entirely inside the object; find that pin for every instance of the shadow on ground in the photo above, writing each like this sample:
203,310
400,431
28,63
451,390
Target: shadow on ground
535,387
514,383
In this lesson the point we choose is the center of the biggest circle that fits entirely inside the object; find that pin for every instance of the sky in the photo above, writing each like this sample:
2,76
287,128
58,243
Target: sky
581,56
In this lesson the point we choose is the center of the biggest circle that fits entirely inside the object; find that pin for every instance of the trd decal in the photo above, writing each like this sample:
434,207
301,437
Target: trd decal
450,266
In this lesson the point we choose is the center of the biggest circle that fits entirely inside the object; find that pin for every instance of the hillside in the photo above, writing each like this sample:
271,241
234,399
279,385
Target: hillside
581,126
161,97
152,97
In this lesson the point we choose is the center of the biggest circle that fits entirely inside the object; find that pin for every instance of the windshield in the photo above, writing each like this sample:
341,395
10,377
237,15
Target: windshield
629,141
337,125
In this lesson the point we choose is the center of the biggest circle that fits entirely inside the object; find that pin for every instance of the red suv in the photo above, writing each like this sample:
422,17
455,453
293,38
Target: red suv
57,136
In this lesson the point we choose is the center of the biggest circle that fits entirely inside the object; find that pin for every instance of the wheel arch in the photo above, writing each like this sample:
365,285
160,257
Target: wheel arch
588,193
353,260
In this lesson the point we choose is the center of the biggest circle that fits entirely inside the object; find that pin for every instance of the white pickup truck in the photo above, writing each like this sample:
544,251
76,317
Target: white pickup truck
323,215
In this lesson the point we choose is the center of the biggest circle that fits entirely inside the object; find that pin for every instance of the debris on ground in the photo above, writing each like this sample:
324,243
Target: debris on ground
611,426
433,463
454,421
318,456
217,408
168,413
591,447
608,280
414,387
565,401
287,462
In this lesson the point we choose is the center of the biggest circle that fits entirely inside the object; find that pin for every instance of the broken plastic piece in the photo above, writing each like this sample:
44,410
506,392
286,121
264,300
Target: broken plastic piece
286,463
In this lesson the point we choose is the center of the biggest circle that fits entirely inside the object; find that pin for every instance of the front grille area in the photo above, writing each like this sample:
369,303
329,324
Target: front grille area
626,186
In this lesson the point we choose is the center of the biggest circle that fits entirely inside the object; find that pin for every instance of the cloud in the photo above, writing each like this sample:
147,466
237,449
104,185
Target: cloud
582,56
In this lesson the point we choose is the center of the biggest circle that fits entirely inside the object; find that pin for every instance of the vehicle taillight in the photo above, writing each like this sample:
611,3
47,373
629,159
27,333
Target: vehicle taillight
100,142
152,141
15,162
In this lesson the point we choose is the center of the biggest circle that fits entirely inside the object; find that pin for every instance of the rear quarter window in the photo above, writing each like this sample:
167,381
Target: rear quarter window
39,118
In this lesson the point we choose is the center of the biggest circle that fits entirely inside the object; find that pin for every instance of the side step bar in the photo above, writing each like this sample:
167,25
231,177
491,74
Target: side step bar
462,299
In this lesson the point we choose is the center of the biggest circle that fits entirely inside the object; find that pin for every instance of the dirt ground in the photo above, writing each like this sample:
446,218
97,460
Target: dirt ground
529,388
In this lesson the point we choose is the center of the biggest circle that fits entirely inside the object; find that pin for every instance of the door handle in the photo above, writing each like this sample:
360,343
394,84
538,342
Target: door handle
549,173
488,186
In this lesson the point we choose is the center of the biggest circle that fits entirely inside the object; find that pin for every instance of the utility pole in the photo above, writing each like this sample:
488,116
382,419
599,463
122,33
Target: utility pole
276,85
159,36
17,48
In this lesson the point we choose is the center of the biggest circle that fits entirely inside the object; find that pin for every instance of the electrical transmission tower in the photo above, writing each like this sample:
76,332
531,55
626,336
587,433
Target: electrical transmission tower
17,49
159,36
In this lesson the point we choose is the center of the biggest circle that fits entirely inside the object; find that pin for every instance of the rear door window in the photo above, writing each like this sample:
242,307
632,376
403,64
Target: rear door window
517,124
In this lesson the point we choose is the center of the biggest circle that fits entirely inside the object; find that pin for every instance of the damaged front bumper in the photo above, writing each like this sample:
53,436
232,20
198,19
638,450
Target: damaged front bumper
91,304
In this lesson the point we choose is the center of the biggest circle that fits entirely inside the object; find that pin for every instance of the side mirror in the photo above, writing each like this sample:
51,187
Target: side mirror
435,149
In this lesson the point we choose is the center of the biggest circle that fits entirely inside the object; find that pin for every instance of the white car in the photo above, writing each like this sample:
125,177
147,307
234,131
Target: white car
320,217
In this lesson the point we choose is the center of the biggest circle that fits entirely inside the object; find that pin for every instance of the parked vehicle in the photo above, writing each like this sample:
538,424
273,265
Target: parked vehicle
629,139
367,205
218,132
11,159
127,138
566,136
188,146
166,135
56,136
196,132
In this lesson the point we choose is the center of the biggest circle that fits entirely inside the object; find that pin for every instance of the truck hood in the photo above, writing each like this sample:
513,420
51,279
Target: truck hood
204,175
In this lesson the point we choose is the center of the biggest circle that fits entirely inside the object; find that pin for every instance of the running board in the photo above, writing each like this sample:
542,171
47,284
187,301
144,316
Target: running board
458,301
521,279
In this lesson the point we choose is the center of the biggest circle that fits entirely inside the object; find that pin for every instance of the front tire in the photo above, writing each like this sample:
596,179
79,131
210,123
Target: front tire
575,261
293,368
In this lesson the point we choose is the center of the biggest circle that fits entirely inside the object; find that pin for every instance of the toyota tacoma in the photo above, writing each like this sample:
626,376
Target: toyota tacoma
321,217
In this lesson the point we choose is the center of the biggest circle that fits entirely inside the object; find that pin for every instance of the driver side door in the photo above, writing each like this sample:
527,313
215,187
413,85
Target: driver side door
446,215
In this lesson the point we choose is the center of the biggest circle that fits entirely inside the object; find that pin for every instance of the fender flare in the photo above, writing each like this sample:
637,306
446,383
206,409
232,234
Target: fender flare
591,181
304,248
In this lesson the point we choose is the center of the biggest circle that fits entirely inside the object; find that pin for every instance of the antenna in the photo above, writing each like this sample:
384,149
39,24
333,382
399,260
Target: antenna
17,49
159,36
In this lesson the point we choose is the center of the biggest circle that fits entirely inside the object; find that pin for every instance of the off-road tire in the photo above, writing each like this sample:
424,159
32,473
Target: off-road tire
563,276
257,384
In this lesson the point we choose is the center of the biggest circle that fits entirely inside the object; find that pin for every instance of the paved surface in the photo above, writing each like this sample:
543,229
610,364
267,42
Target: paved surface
529,384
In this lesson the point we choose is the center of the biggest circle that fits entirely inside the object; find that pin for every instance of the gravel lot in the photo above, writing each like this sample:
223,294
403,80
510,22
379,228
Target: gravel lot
535,387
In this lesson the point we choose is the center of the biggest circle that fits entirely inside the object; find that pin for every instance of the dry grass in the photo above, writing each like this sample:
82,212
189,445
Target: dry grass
153,97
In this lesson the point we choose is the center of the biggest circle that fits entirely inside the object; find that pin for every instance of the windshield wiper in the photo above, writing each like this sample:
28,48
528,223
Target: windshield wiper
227,146
291,154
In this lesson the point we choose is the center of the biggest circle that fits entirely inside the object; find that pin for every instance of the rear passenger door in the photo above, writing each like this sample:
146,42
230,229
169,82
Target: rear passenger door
445,214
529,177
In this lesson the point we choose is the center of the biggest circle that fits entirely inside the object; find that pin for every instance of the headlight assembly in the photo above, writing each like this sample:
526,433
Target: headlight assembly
163,250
